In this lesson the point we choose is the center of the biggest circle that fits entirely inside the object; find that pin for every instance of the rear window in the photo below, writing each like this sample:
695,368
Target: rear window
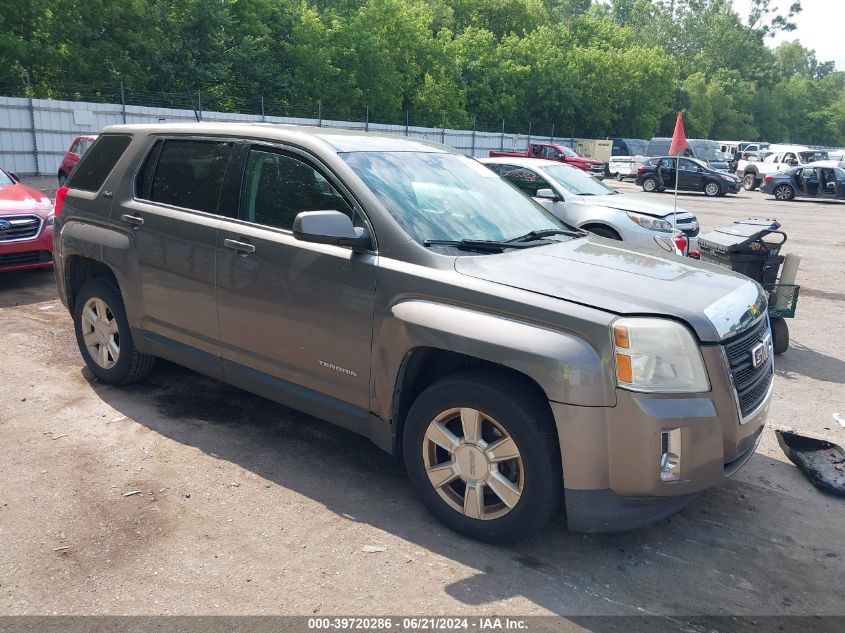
185,173
96,165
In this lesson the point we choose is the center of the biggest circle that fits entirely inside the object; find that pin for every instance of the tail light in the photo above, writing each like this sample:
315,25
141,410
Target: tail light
768,178
640,169
61,194
681,242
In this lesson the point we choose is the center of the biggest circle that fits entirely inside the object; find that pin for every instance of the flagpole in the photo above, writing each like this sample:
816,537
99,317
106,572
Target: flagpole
675,209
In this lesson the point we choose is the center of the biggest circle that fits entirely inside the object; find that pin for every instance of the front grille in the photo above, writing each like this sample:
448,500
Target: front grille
597,169
751,383
25,257
20,227
690,232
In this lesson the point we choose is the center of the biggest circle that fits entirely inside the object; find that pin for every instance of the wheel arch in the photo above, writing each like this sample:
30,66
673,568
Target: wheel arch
423,341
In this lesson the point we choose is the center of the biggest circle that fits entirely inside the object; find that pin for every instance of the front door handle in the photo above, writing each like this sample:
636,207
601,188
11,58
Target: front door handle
241,248
134,220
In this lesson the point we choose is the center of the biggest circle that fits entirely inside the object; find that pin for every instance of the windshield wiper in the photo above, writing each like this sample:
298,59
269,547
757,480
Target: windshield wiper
489,246
533,236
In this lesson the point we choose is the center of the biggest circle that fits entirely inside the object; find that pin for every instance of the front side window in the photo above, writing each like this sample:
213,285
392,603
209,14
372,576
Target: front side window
689,166
276,187
188,174
442,196
550,152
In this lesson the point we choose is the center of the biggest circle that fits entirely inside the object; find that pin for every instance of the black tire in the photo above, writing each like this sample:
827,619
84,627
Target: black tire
713,189
525,415
62,179
784,193
650,185
750,182
619,176
780,335
605,231
131,365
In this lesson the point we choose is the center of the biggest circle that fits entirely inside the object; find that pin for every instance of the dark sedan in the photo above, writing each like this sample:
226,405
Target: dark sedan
658,174
822,180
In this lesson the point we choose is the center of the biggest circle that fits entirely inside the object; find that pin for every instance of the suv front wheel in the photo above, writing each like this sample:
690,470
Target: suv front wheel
103,336
481,450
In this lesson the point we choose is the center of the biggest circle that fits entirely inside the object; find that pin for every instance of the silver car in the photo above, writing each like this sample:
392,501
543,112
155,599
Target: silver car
583,201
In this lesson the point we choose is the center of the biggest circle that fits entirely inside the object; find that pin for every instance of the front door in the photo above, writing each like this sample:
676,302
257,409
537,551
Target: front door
840,182
690,177
827,183
295,317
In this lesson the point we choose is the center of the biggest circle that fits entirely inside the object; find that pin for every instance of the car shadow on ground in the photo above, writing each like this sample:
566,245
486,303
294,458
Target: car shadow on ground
26,287
715,557
802,360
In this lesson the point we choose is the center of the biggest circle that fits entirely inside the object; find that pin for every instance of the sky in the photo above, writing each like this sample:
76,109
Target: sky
820,27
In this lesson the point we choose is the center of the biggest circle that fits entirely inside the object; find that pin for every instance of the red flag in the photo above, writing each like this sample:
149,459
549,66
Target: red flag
679,138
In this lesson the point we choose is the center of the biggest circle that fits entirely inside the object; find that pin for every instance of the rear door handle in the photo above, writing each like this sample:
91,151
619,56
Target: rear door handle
134,220
241,248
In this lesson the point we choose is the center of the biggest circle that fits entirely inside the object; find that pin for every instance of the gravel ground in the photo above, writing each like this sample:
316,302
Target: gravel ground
241,506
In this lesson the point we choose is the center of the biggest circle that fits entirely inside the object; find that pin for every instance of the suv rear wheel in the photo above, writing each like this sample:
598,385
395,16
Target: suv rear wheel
103,336
482,452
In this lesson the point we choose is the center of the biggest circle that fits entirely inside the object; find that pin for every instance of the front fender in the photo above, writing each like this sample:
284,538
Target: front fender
565,366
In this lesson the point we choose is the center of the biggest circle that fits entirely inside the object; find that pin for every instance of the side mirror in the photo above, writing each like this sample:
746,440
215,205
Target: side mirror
547,194
13,176
330,227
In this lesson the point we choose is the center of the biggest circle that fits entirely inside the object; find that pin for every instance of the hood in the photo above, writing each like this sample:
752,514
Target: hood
19,198
608,276
626,202
719,165
586,160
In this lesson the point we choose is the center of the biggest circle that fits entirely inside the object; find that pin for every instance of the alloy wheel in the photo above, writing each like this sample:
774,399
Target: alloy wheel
649,185
473,463
783,192
711,189
100,333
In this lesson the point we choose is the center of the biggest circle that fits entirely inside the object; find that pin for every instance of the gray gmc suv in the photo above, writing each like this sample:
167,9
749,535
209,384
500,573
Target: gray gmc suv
406,292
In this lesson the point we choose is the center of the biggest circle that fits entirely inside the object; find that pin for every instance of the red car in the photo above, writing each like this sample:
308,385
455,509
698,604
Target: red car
79,146
26,226
561,153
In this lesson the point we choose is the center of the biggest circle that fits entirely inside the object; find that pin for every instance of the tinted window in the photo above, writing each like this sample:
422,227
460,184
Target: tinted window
97,163
188,174
277,187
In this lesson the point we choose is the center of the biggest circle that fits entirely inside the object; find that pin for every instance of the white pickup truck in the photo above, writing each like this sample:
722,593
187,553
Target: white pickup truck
752,172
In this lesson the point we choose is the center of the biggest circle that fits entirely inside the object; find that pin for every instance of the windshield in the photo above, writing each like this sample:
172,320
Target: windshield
636,147
5,179
576,181
448,196
710,154
809,157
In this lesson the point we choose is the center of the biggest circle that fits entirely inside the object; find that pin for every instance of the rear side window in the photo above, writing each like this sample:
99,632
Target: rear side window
185,173
96,165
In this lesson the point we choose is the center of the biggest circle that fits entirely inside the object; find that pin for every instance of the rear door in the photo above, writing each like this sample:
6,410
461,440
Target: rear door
173,218
295,317
810,178
666,172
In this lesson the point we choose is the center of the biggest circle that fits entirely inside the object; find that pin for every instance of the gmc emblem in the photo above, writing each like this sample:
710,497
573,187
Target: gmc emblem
760,353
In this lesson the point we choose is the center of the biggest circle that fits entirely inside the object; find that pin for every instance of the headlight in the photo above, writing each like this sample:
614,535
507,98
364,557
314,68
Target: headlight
48,221
729,178
657,355
648,222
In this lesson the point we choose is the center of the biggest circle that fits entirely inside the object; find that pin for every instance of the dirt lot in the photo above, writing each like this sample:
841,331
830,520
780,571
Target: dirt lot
246,507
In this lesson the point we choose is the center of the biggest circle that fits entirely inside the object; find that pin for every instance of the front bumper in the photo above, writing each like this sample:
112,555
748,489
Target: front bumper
611,456
28,254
